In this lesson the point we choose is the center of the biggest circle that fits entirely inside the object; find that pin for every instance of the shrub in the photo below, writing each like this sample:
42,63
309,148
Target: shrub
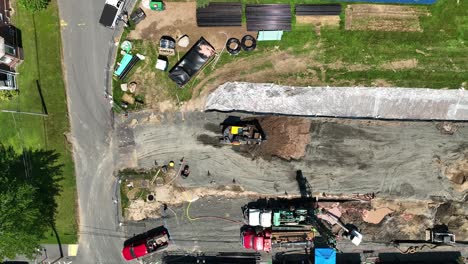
34,5
202,3
7,95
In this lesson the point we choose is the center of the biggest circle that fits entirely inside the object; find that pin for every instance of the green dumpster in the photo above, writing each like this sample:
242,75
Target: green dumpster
156,5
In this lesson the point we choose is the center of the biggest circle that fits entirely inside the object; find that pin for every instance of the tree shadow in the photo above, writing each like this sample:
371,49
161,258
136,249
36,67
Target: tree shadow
30,182
40,169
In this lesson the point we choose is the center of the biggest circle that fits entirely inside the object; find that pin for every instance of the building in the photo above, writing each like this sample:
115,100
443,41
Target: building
7,79
11,48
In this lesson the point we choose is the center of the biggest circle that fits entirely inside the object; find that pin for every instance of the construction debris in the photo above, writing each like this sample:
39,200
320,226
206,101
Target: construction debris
124,87
375,216
128,98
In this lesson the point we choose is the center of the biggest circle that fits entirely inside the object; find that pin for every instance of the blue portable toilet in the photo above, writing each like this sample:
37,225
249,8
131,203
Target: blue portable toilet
325,256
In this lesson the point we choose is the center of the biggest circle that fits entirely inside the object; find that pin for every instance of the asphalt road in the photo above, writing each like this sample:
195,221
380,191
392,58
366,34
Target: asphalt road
86,47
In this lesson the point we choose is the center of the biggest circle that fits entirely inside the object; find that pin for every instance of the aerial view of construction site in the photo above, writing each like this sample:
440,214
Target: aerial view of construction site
234,131
252,132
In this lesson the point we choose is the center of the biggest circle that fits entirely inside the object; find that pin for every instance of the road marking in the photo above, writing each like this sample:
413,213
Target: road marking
81,24
63,23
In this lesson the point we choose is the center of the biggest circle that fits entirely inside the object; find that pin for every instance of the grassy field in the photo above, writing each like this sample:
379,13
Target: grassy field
441,50
42,65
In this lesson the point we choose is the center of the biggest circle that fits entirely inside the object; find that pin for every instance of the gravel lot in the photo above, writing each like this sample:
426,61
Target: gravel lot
393,159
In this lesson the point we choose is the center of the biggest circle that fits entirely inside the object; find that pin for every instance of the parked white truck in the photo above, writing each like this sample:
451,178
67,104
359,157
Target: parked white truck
111,12
258,217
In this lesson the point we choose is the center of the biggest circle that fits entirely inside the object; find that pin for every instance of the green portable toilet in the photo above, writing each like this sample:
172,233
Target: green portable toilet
156,5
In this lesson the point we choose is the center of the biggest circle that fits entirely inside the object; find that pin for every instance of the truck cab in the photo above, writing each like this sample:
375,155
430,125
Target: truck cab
258,241
111,12
146,243
258,217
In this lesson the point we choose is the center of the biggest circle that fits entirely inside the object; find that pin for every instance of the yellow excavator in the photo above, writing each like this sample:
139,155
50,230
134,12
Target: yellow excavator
242,133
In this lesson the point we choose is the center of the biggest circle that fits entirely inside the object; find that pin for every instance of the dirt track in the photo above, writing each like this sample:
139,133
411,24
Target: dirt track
394,159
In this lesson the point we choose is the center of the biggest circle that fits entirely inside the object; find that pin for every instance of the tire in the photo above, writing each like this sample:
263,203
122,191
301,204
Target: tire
252,46
237,49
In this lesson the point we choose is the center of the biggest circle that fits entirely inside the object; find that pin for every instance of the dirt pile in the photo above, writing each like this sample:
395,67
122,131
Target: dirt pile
286,137
375,216
457,171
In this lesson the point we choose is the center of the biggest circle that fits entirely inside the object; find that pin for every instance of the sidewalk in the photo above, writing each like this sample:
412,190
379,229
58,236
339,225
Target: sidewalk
52,253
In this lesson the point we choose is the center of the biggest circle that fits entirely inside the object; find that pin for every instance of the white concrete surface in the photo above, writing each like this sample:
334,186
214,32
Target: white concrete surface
357,102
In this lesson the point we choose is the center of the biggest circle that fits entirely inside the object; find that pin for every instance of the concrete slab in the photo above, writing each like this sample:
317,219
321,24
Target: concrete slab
353,102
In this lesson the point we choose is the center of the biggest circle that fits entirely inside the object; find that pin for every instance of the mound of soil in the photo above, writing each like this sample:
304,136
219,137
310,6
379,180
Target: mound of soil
457,172
286,137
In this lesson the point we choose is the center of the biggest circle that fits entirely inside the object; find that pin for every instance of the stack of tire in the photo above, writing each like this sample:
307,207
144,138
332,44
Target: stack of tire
241,44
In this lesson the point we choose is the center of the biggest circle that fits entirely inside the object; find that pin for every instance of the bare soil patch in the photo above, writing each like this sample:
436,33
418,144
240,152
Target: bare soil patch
165,190
179,19
287,137
400,65
457,171
333,21
410,217
275,65
384,17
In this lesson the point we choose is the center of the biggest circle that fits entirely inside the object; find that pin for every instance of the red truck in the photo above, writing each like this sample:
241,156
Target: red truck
143,244
266,239
259,241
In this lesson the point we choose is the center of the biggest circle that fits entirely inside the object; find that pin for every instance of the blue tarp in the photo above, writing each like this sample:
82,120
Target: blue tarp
123,63
269,35
325,256
411,2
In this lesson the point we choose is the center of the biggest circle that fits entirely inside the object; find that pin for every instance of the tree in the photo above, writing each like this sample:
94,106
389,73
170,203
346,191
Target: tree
29,183
7,95
34,5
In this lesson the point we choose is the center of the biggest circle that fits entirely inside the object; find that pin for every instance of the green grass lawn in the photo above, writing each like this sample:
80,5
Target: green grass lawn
441,50
43,62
